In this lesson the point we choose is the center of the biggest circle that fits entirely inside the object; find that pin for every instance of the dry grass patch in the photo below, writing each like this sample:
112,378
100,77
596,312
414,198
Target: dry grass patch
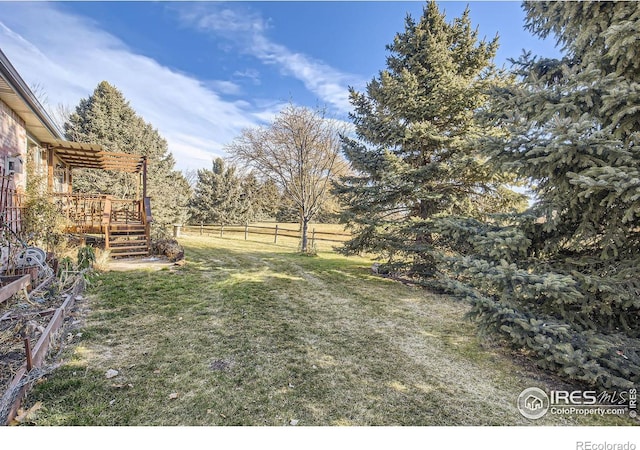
255,334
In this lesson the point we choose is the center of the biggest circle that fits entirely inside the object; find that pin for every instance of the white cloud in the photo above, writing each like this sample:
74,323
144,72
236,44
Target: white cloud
268,112
69,55
226,20
249,31
224,86
250,74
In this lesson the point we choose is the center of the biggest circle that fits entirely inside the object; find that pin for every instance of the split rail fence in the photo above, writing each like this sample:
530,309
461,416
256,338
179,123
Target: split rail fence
279,233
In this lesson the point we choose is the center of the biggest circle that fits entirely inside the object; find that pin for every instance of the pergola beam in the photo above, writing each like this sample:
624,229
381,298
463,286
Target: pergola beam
80,155
92,156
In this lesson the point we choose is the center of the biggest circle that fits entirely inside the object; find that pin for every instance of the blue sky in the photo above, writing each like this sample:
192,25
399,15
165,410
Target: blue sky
200,72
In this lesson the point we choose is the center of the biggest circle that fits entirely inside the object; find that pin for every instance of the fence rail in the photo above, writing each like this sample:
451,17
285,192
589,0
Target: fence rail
276,231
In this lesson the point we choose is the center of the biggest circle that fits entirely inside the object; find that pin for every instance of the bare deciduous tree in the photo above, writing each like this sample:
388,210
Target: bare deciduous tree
300,151
191,176
61,114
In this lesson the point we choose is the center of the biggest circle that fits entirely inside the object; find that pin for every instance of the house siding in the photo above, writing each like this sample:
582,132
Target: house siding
13,141
13,137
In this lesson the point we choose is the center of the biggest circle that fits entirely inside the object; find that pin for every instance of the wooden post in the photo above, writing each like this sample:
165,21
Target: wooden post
246,231
221,230
275,237
105,224
138,186
27,350
148,218
50,170
313,238
144,177
201,226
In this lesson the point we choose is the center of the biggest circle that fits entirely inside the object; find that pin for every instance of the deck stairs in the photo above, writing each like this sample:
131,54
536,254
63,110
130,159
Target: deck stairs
127,240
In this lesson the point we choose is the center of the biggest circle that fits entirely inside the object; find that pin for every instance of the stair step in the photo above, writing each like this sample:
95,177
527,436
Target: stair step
136,237
126,224
128,239
128,254
121,249
127,247
127,242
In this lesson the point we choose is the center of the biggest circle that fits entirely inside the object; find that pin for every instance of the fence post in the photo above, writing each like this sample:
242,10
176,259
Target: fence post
246,231
221,230
313,238
27,350
201,225
275,237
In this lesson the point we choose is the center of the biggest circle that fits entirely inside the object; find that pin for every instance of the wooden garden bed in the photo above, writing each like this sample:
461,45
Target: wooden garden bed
13,285
29,328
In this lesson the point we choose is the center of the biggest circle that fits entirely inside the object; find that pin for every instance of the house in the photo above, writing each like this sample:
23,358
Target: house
533,403
28,132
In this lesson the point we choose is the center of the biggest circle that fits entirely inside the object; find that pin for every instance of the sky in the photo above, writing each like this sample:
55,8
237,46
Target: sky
201,72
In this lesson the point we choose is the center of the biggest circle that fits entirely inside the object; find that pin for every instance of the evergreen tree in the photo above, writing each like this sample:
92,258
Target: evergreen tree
287,211
250,195
221,197
106,118
263,197
562,278
270,199
414,157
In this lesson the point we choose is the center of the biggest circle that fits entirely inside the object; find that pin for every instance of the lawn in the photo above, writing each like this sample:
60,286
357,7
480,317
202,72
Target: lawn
251,333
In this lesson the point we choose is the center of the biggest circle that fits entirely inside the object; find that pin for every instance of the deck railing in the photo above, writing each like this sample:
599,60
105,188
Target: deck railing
83,211
126,211
95,212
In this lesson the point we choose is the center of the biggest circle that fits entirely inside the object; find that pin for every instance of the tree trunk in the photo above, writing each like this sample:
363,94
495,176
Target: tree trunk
305,226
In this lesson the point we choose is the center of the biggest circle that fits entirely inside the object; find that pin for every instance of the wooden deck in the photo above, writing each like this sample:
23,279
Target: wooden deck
125,224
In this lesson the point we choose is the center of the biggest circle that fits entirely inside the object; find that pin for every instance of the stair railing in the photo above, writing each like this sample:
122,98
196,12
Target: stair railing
126,211
106,220
147,218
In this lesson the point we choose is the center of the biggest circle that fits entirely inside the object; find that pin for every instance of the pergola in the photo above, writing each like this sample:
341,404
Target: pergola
125,223
93,156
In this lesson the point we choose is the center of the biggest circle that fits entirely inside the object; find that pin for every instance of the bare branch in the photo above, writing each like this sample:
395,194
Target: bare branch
300,151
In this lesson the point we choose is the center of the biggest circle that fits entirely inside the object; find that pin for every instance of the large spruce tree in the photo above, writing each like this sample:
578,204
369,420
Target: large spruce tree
562,279
106,118
414,157
221,196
